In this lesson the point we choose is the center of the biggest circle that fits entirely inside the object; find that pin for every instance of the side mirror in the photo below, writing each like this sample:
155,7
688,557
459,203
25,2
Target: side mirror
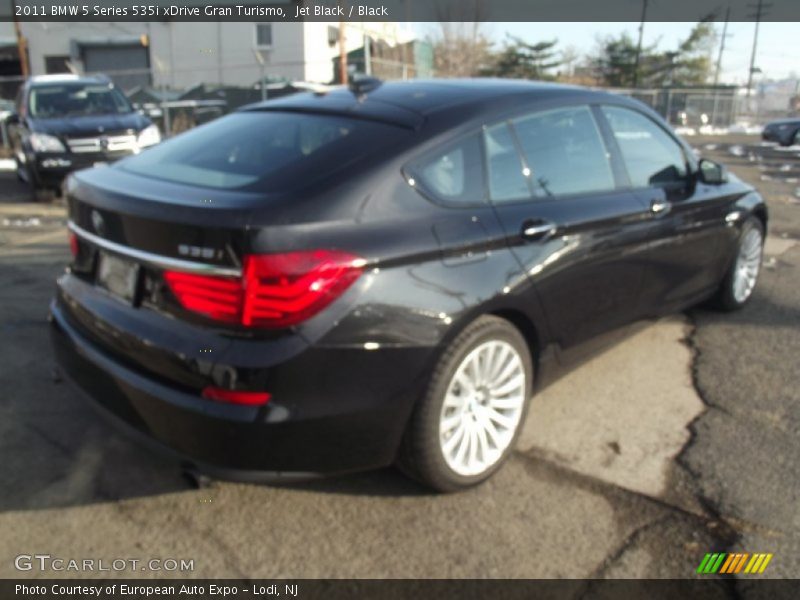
12,119
712,173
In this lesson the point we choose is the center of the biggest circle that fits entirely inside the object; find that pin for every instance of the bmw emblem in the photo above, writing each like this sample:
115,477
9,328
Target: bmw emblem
98,223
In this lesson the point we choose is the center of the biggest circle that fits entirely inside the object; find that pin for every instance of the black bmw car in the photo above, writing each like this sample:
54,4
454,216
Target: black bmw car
384,274
63,123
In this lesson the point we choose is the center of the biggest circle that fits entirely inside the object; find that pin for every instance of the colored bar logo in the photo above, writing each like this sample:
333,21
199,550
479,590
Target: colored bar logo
737,562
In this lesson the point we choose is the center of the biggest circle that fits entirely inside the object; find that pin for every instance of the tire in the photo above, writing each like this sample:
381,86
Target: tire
733,293
500,354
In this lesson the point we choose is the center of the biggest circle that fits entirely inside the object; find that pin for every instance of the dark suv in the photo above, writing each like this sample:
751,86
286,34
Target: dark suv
342,280
65,122
785,132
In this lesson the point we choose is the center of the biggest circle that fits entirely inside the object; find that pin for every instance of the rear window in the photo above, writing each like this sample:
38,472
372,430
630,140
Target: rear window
263,150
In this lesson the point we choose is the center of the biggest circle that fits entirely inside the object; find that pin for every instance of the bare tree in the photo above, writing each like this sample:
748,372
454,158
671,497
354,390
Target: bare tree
461,48
569,57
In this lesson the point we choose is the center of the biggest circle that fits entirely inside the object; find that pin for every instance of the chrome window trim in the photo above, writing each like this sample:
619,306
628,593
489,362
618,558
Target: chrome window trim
156,260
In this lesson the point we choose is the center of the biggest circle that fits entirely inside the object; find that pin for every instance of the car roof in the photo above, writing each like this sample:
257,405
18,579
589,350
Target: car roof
787,121
67,78
409,103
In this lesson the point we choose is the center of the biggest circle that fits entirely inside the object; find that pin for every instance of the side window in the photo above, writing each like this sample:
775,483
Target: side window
507,178
651,156
565,152
453,175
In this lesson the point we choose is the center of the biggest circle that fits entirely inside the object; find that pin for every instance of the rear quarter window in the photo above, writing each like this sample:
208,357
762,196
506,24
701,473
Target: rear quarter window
264,150
453,174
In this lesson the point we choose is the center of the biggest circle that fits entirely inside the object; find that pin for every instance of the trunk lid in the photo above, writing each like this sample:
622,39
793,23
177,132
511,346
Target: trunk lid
166,219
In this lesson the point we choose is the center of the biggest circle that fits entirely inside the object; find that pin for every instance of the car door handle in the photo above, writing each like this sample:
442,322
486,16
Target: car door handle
660,207
537,230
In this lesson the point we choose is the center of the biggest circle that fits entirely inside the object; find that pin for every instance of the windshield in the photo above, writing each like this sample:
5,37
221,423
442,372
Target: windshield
263,150
76,99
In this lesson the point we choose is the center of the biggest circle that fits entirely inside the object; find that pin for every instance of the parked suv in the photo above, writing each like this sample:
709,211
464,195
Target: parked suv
338,281
65,122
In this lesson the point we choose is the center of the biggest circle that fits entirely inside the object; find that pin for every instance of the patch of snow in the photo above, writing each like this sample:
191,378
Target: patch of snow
745,128
736,150
29,222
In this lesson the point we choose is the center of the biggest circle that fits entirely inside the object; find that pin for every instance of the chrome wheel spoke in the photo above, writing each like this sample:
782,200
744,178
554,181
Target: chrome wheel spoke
492,432
500,419
483,444
453,440
463,445
450,423
482,407
501,355
508,402
473,446
509,386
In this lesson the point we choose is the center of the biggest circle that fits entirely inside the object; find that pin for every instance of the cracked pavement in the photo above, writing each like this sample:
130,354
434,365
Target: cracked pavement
679,439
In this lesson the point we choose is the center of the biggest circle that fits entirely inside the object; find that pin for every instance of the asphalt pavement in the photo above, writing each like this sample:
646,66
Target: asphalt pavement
680,439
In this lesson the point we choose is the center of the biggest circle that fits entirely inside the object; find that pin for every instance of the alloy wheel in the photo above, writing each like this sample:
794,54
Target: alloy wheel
748,263
482,408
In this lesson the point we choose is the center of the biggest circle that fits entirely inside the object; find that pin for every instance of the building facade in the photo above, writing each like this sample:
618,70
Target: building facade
183,54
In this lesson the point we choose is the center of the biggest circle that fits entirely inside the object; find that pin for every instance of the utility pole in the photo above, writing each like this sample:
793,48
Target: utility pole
761,10
722,46
718,69
367,55
342,49
22,43
639,45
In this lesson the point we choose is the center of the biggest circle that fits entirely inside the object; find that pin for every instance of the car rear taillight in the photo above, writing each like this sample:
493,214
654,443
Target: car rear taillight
74,245
275,290
219,298
235,397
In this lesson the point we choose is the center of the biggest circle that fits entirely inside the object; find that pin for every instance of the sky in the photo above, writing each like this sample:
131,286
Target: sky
778,53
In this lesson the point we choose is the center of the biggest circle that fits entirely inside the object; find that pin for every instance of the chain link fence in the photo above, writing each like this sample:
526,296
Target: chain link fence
690,107
181,98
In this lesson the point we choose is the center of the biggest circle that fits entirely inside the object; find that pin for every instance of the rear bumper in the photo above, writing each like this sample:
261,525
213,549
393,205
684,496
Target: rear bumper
317,432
